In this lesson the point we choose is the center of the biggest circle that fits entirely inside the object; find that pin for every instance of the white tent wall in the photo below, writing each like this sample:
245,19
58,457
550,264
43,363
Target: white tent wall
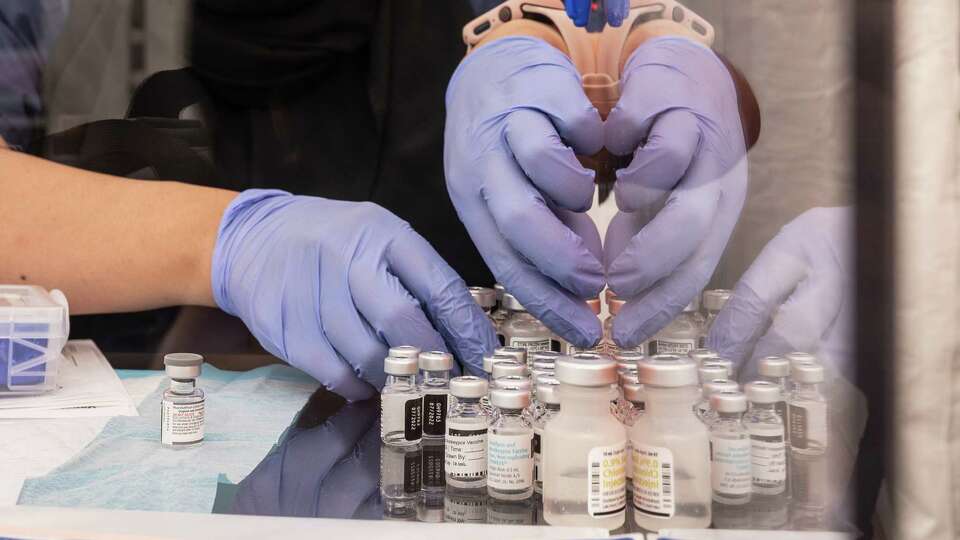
924,496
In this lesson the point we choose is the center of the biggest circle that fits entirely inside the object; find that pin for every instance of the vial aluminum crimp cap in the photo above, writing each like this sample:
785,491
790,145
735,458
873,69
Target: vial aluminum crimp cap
183,365
490,360
800,358
717,386
714,300
505,398
547,391
518,354
807,373
404,351
513,382
436,361
774,366
711,372
701,355
728,402
668,371
763,392
468,387
586,370
507,368
483,296
394,365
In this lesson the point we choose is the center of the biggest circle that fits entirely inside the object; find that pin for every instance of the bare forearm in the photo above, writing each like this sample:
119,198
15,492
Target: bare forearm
110,244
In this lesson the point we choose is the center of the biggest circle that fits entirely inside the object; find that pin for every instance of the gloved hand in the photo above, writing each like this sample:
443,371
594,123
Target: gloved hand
328,470
615,11
513,107
330,285
798,295
682,193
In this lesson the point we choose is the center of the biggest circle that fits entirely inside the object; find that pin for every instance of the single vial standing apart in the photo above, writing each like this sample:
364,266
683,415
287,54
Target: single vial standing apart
681,336
523,330
703,408
548,390
435,369
671,448
730,472
807,410
713,302
182,407
486,298
510,447
767,439
401,403
776,370
584,449
465,446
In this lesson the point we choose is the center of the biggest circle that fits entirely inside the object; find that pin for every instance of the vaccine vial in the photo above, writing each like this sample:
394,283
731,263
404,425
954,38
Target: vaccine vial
182,405
700,355
807,410
486,298
505,368
704,409
584,449
681,336
730,473
524,331
510,447
671,448
400,477
518,354
710,372
713,302
435,369
767,439
401,403
776,370
548,389
727,365
465,446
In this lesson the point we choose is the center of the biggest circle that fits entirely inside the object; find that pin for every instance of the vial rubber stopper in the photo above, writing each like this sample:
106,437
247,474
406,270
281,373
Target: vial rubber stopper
183,365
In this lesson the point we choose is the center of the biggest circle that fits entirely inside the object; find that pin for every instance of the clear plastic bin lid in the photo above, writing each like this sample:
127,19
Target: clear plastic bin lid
32,311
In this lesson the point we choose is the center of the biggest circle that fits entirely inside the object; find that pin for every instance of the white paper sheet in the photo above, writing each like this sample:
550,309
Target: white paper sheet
87,387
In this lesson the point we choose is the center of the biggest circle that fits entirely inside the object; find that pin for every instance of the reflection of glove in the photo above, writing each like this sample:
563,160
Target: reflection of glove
681,195
579,11
325,471
329,285
513,105
797,296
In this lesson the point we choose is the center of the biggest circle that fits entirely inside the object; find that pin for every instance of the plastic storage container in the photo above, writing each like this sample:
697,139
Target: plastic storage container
34,325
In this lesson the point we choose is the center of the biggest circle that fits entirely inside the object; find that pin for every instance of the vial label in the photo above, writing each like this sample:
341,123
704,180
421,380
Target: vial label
411,472
768,459
671,346
629,468
413,419
181,423
433,472
537,467
808,426
434,414
606,480
510,461
653,484
730,466
535,344
465,452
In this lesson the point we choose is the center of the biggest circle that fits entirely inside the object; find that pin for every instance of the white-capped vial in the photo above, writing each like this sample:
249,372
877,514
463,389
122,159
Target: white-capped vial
584,449
488,362
404,351
776,369
524,331
681,336
671,458
465,446
548,389
401,402
510,446
435,369
182,406
505,368
703,409
518,354
570,349
485,297
699,355
726,364
713,302
767,438
543,362
711,372
730,474
807,410
400,479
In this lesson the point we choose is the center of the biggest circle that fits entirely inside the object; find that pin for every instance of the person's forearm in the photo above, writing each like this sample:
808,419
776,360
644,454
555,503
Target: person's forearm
110,244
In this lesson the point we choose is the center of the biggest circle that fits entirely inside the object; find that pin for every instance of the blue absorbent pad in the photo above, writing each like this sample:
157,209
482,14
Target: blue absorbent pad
126,468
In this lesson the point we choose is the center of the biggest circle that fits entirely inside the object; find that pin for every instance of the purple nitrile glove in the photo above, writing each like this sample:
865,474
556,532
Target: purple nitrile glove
615,11
330,285
798,295
513,107
682,193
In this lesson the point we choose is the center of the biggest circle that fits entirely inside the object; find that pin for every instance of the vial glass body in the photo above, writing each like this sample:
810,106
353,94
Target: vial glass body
679,337
730,465
540,421
767,450
465,448
671,461
807,413
510,456
435,387
584,460
523,330
182,414
401,411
